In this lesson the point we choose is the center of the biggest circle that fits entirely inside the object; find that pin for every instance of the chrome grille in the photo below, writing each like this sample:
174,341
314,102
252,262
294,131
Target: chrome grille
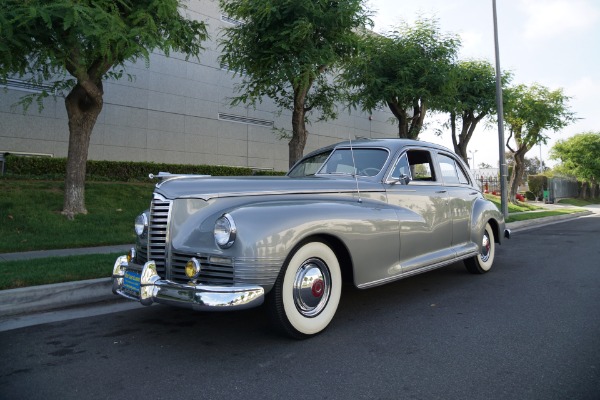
212,272
158,233
141,253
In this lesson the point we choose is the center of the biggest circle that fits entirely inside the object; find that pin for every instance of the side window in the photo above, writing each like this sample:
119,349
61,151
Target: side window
401,168
421,165
452,172
462,176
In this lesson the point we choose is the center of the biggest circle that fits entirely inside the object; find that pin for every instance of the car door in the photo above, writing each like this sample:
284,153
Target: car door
422,208
461,196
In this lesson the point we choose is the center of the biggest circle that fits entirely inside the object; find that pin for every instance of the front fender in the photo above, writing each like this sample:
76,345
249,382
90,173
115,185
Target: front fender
368,229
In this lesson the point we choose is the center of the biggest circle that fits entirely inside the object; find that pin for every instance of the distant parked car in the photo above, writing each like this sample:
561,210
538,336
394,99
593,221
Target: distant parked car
365,212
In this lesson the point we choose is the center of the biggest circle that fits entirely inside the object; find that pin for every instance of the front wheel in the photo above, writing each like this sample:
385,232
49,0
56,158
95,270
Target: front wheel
482,262
307,292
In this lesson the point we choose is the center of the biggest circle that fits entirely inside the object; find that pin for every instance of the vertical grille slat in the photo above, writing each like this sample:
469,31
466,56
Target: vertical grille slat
157,233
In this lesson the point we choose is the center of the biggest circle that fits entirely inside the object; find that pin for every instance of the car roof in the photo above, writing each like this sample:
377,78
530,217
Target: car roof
393,144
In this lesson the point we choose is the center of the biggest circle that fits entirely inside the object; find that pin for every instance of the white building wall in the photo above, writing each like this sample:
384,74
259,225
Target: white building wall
169,113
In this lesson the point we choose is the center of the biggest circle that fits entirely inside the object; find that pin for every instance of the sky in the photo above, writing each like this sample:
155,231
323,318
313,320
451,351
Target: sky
555,43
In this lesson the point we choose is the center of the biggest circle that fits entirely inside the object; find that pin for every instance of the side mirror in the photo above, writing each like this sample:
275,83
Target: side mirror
404,179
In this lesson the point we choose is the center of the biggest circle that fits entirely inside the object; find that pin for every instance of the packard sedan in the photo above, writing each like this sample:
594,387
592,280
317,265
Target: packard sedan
363,212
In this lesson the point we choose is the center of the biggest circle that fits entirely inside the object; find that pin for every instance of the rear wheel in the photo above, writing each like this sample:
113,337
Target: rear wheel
307,292
482,262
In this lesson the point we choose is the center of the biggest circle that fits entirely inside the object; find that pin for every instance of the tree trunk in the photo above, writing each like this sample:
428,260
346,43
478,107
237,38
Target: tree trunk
469,123
416,122
400,115
83,111
584,190
517,173
408,127
299,135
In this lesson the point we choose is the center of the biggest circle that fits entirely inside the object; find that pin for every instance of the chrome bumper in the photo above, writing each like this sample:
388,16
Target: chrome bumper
153,289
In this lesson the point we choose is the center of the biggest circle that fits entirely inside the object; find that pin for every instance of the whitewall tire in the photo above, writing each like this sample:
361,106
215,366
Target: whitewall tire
307,292
483,261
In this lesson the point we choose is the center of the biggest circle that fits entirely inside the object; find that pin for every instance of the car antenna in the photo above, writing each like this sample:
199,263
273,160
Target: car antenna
354,168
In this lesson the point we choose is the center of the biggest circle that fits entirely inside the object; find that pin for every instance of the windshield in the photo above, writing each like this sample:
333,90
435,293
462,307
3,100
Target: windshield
362,162
310,165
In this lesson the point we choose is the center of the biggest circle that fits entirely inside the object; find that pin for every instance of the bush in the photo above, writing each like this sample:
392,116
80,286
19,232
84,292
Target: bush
529,195
118,171
537,184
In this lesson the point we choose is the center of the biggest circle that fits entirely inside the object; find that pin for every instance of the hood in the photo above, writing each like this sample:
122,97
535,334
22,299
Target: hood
212,187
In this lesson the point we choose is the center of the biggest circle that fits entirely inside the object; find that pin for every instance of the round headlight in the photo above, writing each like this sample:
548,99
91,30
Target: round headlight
225,231
141,224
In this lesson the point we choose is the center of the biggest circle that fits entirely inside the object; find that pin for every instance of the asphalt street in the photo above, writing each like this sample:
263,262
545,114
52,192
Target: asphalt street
529,329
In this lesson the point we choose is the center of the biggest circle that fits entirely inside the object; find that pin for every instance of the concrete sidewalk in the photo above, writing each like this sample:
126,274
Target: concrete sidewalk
38,299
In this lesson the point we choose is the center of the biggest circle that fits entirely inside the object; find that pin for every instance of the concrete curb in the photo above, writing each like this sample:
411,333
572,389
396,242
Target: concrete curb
49,297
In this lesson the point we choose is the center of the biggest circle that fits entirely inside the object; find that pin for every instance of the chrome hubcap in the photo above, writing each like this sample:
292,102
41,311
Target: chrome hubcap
485,247
312,286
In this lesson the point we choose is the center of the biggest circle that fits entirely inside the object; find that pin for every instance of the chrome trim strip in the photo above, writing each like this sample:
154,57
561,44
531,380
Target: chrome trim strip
209,196
414,272
166,176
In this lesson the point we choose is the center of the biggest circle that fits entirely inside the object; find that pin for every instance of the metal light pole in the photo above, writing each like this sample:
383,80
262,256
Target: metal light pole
473,158
503,167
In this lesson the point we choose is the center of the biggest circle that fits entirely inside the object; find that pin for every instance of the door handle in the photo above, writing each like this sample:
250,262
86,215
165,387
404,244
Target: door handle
441,191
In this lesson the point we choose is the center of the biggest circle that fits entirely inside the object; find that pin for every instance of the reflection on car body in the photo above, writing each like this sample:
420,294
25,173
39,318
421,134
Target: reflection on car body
366,212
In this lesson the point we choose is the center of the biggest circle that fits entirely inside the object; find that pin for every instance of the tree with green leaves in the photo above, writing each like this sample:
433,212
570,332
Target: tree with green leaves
407,70
529,112
473,99
283,50
74,45
579,156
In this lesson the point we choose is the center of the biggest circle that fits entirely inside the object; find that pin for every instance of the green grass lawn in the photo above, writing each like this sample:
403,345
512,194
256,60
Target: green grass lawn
540,214
30,217
512,208
578,202
42,271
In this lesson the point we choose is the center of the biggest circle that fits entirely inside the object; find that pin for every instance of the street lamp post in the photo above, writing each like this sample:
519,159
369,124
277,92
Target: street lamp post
499,106
473,158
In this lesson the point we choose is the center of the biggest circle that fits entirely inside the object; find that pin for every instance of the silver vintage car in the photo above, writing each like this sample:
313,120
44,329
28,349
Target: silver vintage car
365,212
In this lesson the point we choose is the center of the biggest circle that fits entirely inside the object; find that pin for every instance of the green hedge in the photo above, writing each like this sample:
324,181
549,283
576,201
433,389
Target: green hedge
118,171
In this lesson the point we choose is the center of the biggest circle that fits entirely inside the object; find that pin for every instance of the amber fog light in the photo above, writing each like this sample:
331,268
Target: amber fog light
192,268
131,255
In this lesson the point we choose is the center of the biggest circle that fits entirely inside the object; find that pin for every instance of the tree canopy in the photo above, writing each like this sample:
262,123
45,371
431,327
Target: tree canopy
407,70
283,49
74,45
579,156
473,98
530,111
